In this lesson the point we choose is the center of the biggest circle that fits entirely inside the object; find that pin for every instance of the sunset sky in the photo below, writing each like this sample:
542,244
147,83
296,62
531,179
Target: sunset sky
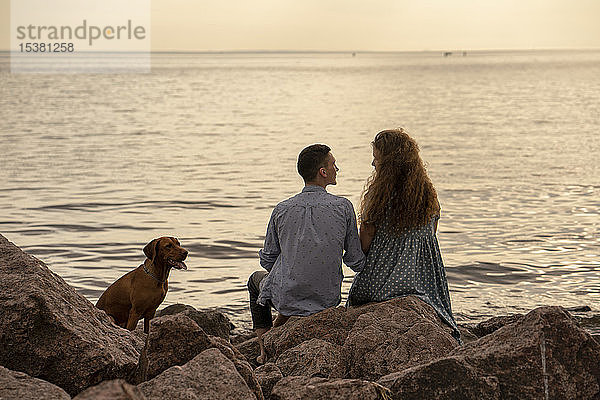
354,25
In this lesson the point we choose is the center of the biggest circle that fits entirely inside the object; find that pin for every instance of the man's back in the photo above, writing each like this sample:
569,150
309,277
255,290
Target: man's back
306,237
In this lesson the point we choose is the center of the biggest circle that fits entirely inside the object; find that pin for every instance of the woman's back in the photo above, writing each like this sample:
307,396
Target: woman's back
399,213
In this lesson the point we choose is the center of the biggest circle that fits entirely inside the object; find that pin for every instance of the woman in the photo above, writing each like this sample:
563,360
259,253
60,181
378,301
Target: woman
399,212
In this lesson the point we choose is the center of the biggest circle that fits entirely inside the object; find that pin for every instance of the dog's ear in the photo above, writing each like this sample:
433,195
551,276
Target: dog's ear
150,249
174,239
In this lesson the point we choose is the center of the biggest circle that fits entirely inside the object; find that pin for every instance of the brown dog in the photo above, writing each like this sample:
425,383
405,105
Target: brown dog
138,293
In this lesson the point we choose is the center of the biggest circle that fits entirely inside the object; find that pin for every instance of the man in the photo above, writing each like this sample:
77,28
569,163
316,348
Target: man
302,254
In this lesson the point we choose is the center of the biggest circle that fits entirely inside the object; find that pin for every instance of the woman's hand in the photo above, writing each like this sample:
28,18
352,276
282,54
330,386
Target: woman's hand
366,234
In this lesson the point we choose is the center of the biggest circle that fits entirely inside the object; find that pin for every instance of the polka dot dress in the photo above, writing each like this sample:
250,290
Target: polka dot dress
405,264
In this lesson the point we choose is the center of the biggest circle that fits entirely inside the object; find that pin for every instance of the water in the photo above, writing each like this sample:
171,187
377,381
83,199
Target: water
95,166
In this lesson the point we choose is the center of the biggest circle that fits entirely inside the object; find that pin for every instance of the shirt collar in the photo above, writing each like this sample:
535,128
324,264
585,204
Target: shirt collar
313,188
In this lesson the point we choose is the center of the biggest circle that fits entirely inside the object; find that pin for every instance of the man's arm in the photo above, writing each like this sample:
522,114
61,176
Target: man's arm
270,251
353,256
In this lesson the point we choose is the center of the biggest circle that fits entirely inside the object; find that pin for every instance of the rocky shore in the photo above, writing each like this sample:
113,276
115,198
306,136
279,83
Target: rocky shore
54,344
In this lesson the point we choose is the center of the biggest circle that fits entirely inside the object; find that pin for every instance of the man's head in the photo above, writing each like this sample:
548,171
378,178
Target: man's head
316,165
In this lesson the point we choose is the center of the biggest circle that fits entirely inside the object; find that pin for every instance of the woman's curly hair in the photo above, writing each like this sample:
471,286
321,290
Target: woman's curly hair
399,191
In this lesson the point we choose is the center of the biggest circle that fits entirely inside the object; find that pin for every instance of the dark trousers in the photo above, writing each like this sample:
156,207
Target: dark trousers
261,315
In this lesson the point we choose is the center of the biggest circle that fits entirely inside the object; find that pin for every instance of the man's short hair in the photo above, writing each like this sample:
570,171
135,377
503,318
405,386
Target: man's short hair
311,159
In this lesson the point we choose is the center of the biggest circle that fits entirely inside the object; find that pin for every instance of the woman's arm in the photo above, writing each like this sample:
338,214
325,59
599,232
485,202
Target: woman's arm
366,234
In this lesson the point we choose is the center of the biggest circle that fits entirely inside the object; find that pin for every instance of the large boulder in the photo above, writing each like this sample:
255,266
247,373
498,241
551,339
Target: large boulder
383,336
212,322
376,339
49,331
315,357
331,325
541,355
18,385
210,375
392,336
544,354
241,365
116,389
306,388
174,340
445,379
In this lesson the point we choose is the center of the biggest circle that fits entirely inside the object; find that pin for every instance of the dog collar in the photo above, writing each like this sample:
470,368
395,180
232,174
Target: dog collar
146,270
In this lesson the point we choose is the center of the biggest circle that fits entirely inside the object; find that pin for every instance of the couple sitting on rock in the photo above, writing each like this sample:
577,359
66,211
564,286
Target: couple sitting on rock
396,253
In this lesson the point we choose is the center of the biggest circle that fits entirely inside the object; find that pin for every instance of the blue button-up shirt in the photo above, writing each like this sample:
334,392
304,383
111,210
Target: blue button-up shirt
306,238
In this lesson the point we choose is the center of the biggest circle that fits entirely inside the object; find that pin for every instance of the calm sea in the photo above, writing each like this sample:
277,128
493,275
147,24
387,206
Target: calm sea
93,167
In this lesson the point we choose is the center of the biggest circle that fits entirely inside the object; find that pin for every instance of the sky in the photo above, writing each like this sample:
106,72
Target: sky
365,25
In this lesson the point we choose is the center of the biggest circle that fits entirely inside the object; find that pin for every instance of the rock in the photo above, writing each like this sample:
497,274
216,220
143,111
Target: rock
544,354
314,357
392,336
18,385
466,334
141,371
210,375
331,325
49,331
579,309
493,324
212,322
388,336
226,348
306,388
591,323
444,379
239,338
268,375
241,365
174,340
116,389
250,349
